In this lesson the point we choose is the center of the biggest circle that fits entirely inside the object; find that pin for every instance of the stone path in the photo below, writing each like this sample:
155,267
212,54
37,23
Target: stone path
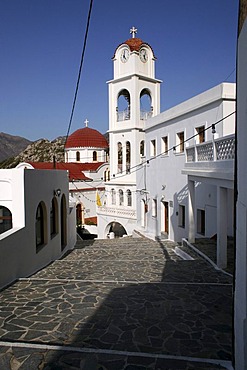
118,304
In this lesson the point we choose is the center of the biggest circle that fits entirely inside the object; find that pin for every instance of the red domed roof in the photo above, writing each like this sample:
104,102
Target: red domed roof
135,44
87,138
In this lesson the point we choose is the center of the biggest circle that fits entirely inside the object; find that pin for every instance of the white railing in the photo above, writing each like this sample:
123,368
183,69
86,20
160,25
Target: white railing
123,115
145,115
217,150
117,212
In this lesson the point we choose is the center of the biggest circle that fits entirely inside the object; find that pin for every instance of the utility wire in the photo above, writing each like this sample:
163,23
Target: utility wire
80,69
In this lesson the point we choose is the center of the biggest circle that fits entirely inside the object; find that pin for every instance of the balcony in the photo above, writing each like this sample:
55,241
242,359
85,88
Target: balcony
117,212
218,150
211,158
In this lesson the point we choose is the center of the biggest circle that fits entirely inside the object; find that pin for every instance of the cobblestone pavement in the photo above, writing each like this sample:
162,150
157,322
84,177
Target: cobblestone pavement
118,304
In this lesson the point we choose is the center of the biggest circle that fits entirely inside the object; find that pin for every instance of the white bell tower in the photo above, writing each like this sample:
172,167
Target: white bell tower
134,96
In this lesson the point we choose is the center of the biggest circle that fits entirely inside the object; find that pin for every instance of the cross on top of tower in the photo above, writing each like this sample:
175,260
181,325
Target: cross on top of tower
133,30
86,122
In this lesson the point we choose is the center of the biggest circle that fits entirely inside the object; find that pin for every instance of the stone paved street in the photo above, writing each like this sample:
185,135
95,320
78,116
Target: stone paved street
118,304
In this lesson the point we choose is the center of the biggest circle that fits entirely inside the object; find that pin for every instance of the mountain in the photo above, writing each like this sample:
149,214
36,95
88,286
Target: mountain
10,145
41,150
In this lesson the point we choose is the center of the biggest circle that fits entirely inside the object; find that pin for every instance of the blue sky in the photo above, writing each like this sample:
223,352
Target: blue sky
41,43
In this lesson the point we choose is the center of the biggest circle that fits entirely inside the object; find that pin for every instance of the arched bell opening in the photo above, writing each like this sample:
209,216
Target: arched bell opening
146,108
123,106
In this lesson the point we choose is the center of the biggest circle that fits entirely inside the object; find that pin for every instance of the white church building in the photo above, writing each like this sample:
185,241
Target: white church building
153,155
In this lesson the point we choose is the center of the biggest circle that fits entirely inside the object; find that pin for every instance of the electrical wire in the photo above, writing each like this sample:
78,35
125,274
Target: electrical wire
80,69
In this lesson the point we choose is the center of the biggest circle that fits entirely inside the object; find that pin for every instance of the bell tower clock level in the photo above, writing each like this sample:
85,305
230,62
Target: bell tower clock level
134,96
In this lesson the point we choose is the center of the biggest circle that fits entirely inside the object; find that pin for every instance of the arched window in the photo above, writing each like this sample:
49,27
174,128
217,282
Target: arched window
123,106
105,175
5,219
53,217
128,156
120,158
41,226
108,175
129,198
146,109
113,196
63,222
78,156
95,156
121,197
142,148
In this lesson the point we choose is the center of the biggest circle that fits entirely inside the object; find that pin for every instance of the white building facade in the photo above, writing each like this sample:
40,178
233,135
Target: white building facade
37,223
181,140
240,309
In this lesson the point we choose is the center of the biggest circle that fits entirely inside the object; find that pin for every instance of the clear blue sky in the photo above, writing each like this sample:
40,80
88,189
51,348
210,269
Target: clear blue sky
41,43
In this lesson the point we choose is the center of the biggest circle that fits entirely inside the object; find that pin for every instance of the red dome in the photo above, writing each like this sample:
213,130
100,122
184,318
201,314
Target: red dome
134,44
87,138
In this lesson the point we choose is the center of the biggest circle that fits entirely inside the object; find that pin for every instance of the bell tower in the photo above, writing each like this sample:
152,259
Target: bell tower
134,96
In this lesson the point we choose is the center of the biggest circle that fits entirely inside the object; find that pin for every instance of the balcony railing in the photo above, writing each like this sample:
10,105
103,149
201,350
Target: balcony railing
117,212
145,115
123,115
217,150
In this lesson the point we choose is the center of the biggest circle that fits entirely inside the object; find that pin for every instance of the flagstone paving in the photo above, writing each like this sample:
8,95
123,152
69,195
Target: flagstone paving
118,304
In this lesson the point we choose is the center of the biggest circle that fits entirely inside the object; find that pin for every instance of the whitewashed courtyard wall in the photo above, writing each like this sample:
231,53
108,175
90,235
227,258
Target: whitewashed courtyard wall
27,188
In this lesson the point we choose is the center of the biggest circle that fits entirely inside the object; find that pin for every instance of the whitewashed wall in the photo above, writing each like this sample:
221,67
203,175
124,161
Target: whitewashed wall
18,257
241,232
162,176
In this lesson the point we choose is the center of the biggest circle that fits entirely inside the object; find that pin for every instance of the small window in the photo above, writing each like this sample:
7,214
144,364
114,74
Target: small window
128,156
113,196
153,148
53,217
154,208
121,197
200,134
78,156
120,158
5,219
108,175
129,198
201,221
95,156
181,216
180,142
142,148
164,145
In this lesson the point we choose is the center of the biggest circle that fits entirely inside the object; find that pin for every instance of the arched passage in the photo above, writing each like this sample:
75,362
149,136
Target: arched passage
116,228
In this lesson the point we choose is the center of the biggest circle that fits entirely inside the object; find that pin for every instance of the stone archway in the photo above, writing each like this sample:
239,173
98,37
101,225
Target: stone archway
116,228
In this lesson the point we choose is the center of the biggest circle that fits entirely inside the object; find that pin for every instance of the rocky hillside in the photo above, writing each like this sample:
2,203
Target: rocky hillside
10,145
41,150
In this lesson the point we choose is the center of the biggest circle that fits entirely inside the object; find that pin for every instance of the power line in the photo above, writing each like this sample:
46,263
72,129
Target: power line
80,69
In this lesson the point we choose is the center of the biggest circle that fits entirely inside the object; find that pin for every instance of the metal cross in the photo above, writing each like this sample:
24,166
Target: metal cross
86,122
133,30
